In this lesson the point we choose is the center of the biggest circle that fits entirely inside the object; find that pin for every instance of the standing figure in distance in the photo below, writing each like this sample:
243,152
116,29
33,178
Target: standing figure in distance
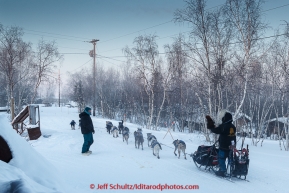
72,124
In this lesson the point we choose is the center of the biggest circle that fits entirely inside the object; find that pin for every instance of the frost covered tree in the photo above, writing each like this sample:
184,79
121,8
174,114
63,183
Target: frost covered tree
16,65
45,61
78,96
145,57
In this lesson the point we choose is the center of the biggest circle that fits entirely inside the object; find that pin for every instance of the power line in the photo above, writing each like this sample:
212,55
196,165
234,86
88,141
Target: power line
130,34
276,8
112,57
137,31
150,27
54,37
101,57
224,44
173,35
81,65
72,48
189,31
56,34
118,36
110,62
111,50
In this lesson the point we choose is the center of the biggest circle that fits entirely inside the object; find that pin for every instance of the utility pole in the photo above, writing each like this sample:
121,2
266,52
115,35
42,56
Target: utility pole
92,54
59,88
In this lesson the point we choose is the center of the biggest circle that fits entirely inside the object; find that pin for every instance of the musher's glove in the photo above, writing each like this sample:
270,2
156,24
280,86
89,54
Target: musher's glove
210,122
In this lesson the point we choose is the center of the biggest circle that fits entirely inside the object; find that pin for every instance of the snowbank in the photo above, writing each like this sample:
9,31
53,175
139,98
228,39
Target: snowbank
28,170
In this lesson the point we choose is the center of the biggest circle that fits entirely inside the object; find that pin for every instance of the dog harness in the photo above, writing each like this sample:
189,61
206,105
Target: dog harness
180,141
126,129
151,137
114,128
154,143
138,133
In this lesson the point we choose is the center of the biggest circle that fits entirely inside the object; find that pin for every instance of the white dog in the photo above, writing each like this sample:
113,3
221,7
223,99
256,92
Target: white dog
156,146
114,131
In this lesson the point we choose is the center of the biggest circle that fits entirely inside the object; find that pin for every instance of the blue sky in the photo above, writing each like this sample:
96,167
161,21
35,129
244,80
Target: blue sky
77,21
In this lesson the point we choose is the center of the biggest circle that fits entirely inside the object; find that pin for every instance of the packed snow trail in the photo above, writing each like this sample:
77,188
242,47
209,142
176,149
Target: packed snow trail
114,162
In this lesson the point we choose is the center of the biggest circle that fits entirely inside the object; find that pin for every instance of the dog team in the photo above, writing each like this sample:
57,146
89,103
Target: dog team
139,139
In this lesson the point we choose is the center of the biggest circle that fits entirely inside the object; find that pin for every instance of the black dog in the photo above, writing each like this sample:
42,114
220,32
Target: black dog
108,126
120,126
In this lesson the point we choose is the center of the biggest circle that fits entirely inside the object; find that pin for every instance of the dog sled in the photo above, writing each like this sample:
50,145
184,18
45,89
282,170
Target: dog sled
206,157
238,164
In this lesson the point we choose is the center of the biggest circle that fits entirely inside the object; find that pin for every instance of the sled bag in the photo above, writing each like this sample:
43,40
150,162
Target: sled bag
204,156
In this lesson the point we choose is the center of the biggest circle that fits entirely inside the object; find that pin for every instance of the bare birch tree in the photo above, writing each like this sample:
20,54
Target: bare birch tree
46,57
246,19
145,57
13,52
177,68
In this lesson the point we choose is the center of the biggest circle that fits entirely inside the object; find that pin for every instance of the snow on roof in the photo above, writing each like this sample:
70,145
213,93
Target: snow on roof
22,115
241,115
28,167
34,105
4,108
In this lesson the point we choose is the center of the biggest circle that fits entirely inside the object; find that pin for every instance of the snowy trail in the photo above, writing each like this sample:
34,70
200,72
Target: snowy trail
113,161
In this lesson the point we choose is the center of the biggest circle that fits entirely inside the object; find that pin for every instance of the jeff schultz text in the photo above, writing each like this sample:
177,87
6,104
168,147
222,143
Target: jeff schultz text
145,187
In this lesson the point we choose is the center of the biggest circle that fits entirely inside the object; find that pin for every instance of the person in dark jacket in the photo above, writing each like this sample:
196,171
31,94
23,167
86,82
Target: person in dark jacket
227,137
72,124
87,130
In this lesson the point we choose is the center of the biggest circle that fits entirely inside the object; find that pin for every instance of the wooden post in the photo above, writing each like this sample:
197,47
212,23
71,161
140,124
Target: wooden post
12,108
124,120
38,117
32,115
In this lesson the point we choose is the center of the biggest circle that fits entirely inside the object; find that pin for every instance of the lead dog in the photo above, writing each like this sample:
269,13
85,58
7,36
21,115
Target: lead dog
181,146
156,146
108,126
138,139
114,131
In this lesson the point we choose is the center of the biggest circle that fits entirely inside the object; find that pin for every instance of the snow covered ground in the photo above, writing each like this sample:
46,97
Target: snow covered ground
114,162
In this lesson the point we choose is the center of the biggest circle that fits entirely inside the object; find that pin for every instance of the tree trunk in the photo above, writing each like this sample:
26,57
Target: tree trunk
161,108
